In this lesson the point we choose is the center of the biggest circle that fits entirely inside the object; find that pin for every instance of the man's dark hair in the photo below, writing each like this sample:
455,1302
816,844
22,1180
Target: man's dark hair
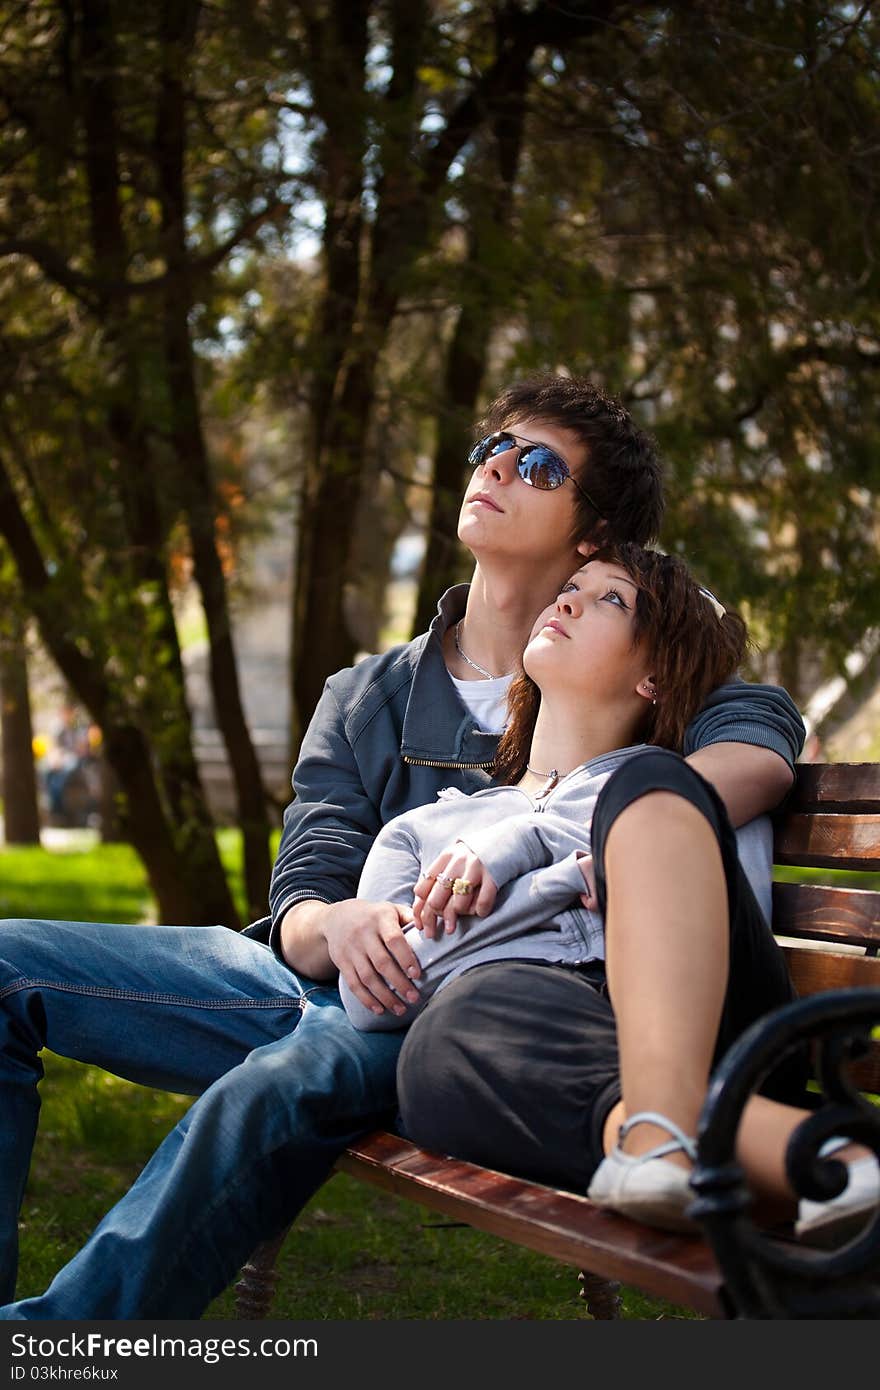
623,474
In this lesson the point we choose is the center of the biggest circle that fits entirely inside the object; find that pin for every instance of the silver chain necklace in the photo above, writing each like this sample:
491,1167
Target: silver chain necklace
487,675
552,777
535,773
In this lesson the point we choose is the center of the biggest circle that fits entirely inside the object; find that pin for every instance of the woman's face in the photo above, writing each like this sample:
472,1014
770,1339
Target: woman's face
584,641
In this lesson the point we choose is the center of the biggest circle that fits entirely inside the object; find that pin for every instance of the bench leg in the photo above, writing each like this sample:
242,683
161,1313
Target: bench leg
602,1296
256,1287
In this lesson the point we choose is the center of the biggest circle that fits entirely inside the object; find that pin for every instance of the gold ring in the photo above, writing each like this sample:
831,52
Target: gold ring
463,886
447,882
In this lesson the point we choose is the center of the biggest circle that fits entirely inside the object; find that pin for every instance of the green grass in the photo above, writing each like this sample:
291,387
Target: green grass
88,882
104,883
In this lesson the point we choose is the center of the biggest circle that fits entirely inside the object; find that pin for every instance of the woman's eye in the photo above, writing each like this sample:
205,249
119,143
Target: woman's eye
569,588
616,598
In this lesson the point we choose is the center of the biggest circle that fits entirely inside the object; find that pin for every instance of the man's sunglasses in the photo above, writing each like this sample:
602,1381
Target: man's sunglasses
538,464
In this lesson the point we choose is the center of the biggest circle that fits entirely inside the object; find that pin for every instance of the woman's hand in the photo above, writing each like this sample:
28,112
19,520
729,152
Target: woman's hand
455,885
589,899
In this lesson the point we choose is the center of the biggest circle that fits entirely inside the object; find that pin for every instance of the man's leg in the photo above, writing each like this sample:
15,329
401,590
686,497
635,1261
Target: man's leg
173,1007
235,1171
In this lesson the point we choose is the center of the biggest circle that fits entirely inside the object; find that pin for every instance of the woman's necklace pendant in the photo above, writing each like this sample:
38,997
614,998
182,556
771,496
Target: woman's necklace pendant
552,778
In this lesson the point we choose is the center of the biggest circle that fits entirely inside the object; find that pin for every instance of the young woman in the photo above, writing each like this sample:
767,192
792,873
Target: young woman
613,672
622,661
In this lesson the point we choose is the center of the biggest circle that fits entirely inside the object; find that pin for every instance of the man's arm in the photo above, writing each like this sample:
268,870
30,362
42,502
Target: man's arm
745,741
318,927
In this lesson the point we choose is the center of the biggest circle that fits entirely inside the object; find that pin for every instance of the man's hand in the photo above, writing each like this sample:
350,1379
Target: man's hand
438,903
365,942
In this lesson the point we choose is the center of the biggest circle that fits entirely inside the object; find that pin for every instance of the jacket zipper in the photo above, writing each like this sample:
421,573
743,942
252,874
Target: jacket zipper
426,762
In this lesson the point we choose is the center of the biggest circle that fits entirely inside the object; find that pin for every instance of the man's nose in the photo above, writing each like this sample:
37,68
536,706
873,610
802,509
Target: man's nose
503,466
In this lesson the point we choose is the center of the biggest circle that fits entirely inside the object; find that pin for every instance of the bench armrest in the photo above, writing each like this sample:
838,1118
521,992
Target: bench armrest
767,1275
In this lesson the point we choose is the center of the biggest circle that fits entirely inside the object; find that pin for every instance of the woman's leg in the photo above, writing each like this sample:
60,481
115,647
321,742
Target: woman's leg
666,943
691,961
478,1067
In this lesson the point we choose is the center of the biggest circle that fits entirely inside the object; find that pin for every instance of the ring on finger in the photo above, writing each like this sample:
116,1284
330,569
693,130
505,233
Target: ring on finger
462,887
447,882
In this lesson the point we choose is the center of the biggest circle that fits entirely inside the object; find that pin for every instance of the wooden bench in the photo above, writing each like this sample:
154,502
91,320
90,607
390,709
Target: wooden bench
831,936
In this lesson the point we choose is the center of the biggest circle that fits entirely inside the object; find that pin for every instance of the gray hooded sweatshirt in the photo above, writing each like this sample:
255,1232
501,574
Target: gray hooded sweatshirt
531,849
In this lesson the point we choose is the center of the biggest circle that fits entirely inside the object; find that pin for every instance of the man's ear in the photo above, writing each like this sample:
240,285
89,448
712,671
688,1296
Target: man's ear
647,689
586,548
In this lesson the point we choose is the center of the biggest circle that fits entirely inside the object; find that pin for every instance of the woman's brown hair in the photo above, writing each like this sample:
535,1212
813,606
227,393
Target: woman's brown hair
693,646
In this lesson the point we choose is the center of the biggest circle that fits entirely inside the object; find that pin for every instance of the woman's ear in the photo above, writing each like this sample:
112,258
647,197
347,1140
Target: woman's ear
647,689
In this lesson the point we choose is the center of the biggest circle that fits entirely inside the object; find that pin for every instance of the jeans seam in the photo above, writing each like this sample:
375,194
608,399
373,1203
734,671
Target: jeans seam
154,997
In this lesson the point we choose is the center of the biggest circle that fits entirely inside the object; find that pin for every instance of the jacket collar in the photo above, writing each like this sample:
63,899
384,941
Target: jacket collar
436,726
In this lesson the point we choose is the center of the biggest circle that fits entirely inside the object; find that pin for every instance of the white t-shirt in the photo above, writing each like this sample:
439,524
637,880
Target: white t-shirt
486,700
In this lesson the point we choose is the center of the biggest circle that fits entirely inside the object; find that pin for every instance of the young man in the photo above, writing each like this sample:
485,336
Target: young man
254,1022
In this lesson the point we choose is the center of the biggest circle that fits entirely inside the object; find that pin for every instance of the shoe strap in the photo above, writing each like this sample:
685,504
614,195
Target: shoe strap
678,1141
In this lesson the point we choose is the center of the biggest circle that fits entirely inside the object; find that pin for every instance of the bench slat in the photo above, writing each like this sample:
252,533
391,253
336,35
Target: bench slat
815,971
838,786
552,1222
838,915
829,841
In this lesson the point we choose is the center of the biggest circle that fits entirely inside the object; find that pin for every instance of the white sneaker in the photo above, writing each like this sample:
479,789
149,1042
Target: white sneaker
831,1223
645,1186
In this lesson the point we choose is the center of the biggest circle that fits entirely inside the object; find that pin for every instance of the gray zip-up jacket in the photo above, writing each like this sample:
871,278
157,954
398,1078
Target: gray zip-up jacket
390,732
531,849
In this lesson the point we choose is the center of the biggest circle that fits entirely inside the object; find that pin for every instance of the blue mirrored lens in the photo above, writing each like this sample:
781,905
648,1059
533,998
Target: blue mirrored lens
537,464
541,468
493,444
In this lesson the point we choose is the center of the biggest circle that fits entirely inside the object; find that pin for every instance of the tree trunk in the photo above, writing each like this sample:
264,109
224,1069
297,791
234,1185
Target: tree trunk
189,836
178,32
484,293
410,185
322,640
21,817
182,861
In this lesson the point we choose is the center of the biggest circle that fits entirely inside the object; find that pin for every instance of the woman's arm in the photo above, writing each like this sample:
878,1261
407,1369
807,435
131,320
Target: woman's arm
526,902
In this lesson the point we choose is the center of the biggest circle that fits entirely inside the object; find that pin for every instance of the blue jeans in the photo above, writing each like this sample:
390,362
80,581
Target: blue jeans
284,1081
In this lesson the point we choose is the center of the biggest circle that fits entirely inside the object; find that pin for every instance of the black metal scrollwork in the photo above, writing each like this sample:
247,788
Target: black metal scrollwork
766,1274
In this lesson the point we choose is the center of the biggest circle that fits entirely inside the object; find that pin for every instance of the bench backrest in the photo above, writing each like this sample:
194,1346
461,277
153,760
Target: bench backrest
832,821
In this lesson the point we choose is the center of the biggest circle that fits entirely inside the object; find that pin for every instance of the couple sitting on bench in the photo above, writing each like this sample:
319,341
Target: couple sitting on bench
585,922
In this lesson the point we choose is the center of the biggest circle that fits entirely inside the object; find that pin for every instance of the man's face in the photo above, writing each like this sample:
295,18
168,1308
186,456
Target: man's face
504,517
